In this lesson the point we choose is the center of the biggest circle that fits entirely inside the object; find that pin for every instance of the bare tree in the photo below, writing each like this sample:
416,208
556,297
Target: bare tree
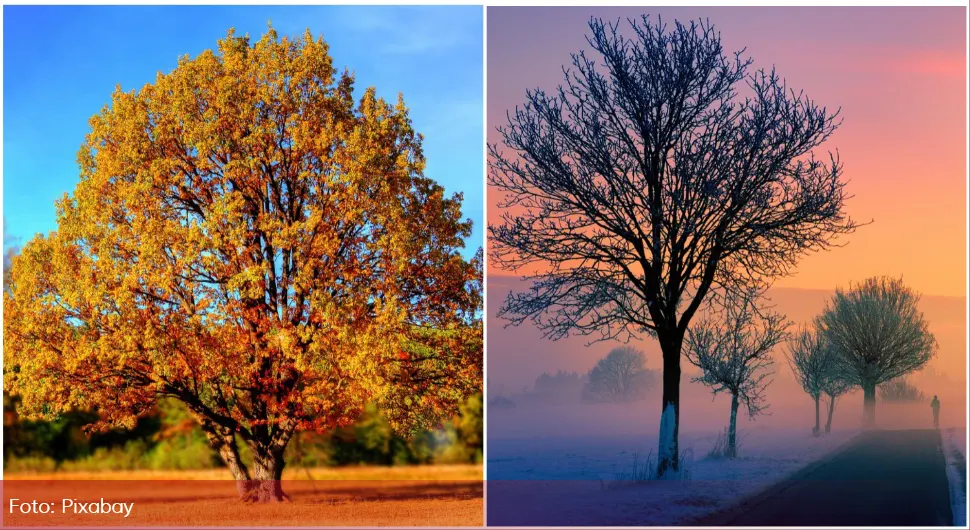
835,386
647,180
816,368
879,333
810,359
619,377
734,355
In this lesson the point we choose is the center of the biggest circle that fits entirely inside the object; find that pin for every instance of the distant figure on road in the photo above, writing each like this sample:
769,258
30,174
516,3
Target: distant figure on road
935,405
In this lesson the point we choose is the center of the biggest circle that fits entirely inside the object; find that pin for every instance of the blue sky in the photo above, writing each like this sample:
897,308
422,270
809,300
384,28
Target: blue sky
61,64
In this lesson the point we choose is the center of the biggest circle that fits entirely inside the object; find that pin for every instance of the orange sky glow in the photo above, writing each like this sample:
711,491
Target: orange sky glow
899,75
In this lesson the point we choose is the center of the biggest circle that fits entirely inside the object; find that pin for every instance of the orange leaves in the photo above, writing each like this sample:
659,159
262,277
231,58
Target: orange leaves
250,239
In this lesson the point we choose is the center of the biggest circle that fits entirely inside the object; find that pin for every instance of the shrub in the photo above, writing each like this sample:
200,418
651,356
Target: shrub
29,464
461,440
128,457
184,452
900,391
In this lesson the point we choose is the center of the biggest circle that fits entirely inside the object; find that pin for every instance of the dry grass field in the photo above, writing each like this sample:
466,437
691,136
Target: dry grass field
364,496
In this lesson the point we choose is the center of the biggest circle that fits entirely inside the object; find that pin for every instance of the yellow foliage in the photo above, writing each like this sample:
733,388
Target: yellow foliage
250,239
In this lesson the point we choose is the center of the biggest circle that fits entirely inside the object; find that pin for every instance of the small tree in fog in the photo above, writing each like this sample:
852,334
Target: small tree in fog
816,367
810,358
563,386
619,377
734,355
900,391
835,386
879,333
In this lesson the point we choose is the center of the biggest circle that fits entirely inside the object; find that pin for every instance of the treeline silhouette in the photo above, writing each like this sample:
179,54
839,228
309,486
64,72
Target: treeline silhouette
170,439
619,377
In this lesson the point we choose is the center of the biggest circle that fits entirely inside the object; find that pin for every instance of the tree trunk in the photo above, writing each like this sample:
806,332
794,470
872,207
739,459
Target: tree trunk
668,455
732,449
816,429
267,476
828,422
224,442
869,406
230,455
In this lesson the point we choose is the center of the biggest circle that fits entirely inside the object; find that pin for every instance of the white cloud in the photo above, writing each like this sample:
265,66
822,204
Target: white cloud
406,30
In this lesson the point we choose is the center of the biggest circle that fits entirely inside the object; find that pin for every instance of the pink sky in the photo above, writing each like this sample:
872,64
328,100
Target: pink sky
899,75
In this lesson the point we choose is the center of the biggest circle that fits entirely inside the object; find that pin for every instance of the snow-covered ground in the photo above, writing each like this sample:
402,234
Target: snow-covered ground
584,480
955,450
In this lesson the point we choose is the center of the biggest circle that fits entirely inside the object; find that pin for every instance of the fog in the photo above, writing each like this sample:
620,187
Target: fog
518,355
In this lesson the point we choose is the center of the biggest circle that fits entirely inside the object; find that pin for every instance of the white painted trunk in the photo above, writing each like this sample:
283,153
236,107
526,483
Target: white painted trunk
667,445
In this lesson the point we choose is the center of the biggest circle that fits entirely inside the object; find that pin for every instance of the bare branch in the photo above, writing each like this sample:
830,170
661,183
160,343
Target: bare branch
734,353
647,179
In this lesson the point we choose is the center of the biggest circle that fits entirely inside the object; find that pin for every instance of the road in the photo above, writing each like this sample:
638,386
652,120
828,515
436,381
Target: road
884,478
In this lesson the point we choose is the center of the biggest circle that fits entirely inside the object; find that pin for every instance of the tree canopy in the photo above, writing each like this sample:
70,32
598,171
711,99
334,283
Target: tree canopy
879,334
811,360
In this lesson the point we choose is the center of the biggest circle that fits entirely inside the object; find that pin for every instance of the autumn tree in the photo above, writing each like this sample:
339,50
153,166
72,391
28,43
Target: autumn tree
879,334
250,239
649,179
619,377
733,352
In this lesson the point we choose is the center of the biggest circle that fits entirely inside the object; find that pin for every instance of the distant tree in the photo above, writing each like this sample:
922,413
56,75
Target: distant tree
65,437
647,180
465,434
816,368
369,440
619,377
879,333
900,390
835,386
808,354
561,386
734,355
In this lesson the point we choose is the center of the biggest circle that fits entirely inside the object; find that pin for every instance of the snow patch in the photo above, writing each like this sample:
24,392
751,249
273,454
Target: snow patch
559,481
954,449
